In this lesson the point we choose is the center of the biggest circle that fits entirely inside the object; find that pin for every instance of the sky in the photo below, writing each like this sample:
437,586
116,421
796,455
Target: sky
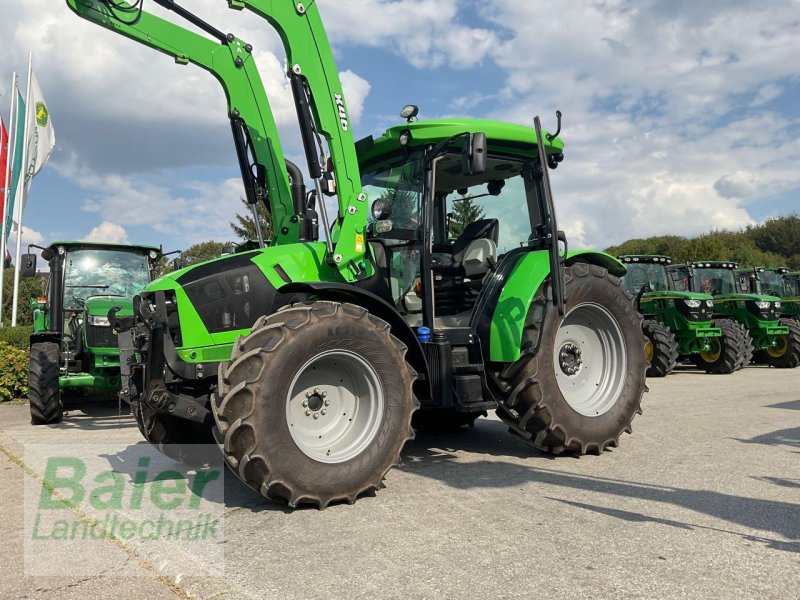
679,116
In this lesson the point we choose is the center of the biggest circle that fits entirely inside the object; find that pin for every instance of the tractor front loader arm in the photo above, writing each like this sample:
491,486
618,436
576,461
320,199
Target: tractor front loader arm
231,62
317,86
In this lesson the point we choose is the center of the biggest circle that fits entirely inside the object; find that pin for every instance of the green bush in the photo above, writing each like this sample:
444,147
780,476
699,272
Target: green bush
13,373
19,337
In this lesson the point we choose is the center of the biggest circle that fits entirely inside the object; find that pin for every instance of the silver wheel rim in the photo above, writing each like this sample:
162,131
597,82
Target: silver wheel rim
335,406
589,359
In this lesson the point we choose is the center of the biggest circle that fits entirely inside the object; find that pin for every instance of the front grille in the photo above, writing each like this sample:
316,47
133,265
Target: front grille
100,337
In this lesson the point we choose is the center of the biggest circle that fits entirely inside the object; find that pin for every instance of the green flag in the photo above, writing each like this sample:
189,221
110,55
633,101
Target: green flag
16,166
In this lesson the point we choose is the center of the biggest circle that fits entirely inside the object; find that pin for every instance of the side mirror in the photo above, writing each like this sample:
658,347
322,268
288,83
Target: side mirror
381,210
178,263
27,266
474,154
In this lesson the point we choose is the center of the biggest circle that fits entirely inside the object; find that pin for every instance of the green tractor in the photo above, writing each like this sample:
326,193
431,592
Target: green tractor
757,315
307,358
780,284
678,324
73,345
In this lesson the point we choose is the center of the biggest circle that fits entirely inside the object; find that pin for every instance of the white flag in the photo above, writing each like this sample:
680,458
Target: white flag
41,136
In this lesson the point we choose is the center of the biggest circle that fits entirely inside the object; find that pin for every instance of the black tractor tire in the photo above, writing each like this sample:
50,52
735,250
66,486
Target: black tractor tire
789,357
535,408
731,350
44,395
746,347
664,348
443,421
185,441
258,394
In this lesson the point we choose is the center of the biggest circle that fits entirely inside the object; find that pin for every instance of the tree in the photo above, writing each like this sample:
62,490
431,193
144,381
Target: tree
245,227
28,288
201,252
465,211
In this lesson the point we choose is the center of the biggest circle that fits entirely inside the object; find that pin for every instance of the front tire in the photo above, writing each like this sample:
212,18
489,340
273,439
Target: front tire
44,395
727,353
580,379
663,349
316,404
787,355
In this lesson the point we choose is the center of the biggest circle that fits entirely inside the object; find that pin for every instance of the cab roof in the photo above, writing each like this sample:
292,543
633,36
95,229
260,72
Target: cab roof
714,264
103,245
500,137
646,258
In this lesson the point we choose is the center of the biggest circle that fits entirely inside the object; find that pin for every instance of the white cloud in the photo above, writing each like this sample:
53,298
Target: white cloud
109,233
356,89
29,236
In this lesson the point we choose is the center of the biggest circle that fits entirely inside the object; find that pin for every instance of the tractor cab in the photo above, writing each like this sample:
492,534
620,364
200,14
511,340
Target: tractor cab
776,282
435,213
86,280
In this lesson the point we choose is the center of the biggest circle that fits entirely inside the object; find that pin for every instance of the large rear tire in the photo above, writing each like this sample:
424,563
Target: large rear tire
315,405
661,349
44,395
746,349
787,355
726,355
580,379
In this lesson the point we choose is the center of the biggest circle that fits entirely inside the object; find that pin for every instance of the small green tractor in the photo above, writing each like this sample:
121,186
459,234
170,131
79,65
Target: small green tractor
757,315
778,283
73,345
307,358
678,325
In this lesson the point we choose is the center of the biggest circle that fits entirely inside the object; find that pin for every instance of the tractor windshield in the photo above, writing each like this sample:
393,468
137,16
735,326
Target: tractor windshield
792,286
98,272
399,185
650,276
715,281
771,284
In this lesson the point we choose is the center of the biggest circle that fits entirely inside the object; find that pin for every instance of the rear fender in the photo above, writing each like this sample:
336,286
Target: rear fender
511,310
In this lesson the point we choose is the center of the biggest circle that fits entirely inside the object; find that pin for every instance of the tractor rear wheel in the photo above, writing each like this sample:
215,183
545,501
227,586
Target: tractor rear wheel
787,354
316,404
746,346
726,354
580,379
44,395
661,349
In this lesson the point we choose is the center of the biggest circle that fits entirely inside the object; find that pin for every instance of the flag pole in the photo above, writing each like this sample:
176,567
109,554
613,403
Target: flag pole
9,161
21,191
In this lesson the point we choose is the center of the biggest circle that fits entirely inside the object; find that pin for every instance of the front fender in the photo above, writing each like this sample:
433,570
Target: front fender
513,304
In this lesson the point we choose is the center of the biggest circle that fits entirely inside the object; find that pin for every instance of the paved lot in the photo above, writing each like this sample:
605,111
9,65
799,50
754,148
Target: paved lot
703,501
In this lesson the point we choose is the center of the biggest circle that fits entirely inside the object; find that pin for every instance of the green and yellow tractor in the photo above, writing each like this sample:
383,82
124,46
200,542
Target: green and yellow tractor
307,358
679,324
73,346
758,315
779,283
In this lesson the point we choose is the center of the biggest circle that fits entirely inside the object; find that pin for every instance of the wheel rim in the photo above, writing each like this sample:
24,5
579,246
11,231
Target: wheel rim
648,351
590,359
335,406
713,354
780,350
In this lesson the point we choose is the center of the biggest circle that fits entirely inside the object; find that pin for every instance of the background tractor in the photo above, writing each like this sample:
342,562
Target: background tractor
758,315
306,358
778,283
678,324
73,345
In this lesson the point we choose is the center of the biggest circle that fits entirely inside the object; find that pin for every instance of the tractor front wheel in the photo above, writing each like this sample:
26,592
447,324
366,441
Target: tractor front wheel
787,354
727,352
661,349
316,404
580,379
44,395
745,346
184,441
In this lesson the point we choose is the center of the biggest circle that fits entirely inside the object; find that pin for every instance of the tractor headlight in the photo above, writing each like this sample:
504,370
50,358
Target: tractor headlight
693,303
710,303
98,321
777,305
763,305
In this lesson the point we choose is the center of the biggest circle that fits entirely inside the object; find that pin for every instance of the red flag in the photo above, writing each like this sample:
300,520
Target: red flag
3,155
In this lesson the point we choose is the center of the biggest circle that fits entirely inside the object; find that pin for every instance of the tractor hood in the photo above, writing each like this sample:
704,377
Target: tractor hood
676,295
739,297
98,306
